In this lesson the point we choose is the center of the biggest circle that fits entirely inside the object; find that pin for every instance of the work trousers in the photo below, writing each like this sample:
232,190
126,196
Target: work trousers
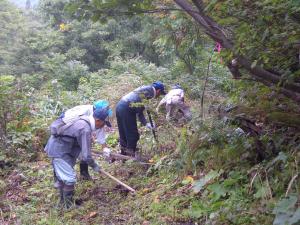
127,125
178,110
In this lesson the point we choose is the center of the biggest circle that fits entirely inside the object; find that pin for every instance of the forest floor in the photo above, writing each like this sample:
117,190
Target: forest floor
229,194
31,199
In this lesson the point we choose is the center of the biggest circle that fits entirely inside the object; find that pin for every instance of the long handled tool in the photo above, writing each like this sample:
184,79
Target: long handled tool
117,180
151,122
117,156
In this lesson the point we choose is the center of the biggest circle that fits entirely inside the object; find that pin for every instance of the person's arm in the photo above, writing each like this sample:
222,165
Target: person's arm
163,101
141,115
101,139
182,95
100,136
84,141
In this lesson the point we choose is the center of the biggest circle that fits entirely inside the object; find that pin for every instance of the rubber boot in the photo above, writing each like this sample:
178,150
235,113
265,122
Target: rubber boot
59,187
68,194
130,152
123,150
68,200
60,202
84,171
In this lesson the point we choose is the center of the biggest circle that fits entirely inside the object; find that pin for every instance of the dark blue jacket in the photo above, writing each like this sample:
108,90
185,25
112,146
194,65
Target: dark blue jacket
137,96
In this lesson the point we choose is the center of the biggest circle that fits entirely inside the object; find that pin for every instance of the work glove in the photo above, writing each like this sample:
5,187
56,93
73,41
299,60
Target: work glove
106,152
96,168
148,125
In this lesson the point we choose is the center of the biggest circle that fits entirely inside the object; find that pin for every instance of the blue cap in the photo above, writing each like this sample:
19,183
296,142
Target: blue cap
100,104
159,86
102,114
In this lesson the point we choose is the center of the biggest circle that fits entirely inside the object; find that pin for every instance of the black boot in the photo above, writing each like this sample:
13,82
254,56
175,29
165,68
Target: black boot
130,152
84,171
123,150
59,186
68,199
60,202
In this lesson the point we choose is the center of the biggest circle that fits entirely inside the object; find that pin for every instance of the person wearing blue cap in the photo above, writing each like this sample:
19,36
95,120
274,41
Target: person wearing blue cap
128,108
74,113
65,144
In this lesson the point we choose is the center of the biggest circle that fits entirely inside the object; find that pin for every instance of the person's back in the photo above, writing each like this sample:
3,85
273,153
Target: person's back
77,111
174,95
65,144
175,105
74,114
137,95
66,141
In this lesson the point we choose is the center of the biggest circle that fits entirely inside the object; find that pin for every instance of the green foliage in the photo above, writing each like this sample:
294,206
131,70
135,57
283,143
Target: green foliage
63,62
14,106
112,140
286,211
270,37
198,185
12,29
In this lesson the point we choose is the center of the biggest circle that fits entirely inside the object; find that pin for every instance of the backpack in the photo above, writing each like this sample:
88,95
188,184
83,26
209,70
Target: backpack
58,127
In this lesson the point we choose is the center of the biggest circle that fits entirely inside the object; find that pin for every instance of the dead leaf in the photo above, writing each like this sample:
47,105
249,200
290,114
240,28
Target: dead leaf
188,180
145,190
92,214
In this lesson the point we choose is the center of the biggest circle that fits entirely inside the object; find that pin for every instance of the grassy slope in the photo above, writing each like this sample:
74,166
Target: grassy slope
164,193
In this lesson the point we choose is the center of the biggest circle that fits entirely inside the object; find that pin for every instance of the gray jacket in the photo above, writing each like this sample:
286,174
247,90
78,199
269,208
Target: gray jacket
137,96
67,141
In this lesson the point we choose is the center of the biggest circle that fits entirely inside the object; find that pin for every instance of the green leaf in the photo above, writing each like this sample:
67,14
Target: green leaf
218,190
281,157
262,192
296,217
198,185
285,204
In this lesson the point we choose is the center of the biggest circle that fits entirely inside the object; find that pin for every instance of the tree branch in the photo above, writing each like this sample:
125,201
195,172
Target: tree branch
216,33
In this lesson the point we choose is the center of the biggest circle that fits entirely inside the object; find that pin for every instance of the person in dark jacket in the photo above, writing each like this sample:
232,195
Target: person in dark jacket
128,108
65,144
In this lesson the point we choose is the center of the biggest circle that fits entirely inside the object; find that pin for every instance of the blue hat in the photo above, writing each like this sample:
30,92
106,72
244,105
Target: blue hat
102,114
100,104
159,86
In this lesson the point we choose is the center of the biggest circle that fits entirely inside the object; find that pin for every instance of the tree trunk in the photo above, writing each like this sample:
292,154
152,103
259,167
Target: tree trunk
212,29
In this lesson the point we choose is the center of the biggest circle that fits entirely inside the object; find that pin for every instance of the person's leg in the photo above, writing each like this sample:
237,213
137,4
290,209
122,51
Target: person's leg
132,134
84,171
121,116
187,115
67,175
68,195
58,184
170,111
